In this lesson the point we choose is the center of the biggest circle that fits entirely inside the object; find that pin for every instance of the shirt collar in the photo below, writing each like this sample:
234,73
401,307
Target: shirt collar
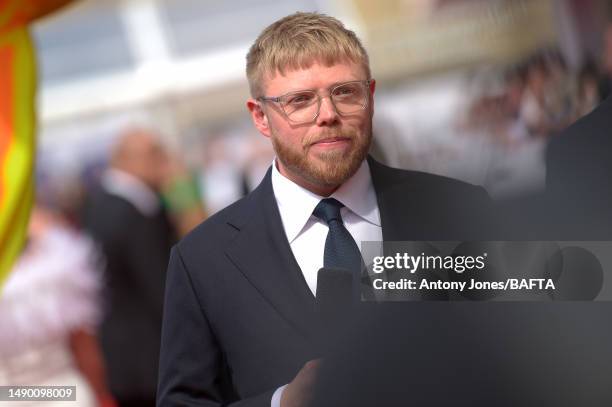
133,190
296,203
358,195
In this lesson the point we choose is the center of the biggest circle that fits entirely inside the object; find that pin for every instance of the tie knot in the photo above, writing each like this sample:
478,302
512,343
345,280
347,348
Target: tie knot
328,209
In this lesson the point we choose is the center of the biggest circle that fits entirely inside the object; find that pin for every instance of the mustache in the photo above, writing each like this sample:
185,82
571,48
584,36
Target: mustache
347,134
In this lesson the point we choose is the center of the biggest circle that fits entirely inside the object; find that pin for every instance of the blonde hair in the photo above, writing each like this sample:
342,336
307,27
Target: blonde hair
296,41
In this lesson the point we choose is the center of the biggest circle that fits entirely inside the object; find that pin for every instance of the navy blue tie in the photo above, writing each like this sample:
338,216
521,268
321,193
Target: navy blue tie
341,251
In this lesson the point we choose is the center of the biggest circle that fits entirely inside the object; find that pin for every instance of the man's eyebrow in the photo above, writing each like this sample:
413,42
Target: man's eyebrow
331,86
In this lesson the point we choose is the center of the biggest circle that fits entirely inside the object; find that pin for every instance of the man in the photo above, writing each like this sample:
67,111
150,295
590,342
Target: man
126,217
240,326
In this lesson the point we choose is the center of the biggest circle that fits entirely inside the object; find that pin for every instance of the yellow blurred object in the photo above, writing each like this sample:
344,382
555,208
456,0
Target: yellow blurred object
17,122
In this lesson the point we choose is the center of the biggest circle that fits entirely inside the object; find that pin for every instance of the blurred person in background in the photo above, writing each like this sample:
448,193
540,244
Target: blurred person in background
547,103
532,112
136,225
220,175
515,130
605,82
49,313
588,93
495,110
561,93
259,155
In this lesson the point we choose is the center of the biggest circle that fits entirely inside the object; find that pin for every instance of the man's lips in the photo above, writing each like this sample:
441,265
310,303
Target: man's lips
331,141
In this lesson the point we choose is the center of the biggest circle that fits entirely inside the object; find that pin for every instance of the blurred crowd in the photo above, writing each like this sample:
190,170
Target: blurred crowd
540,96
83,304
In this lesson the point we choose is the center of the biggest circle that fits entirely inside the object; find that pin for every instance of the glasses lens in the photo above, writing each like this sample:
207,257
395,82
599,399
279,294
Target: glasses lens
300,106
349,97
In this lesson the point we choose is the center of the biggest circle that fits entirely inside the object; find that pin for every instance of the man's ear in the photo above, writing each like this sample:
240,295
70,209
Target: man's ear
259,117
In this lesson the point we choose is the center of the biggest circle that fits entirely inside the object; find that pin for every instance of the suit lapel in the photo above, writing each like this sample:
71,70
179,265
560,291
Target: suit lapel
262,253
400,219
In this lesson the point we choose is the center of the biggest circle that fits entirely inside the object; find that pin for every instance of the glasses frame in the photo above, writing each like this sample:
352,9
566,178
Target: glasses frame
278,99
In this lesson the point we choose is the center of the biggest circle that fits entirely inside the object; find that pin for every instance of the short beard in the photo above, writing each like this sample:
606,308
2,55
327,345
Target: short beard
332,168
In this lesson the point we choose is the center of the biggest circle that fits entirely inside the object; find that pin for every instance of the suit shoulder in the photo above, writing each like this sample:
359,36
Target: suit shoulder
216,230
442,180
390,176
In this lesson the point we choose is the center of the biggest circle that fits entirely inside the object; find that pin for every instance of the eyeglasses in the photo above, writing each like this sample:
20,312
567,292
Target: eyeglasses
303,106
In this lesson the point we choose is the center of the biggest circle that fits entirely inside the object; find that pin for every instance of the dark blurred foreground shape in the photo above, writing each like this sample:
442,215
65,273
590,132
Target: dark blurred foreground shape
578,197
472,354
553,354
579,176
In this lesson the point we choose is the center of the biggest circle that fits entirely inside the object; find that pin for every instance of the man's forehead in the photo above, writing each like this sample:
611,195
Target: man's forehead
313,73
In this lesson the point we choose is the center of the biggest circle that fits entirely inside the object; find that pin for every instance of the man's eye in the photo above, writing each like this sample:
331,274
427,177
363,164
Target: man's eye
345,91
300,99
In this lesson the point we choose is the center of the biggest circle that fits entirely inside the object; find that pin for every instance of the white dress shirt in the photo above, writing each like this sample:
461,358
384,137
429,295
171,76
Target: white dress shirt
307,234
132,189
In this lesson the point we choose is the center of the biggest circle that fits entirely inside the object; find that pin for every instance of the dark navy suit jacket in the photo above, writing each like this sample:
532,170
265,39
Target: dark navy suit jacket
239,318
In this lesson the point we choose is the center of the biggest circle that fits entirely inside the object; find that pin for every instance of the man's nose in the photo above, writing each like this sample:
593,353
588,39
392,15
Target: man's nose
327,112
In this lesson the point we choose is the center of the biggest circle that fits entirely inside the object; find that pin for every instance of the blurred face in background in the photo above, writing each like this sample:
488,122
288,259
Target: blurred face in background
537,78
322,153
142,155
